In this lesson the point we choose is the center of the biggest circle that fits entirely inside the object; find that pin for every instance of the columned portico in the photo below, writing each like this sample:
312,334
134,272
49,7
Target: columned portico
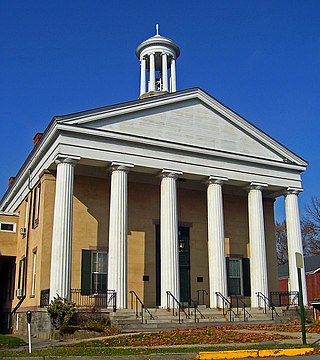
118,232
169,236
258,261
61,254
294,240
216,246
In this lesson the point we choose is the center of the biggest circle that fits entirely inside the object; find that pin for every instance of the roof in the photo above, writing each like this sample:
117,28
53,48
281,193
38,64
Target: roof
311,264
82,120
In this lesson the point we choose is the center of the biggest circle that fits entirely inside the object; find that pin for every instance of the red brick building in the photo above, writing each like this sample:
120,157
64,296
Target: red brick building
312,269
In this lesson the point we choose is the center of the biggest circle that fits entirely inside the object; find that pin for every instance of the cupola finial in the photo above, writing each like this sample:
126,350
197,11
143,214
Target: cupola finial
157,56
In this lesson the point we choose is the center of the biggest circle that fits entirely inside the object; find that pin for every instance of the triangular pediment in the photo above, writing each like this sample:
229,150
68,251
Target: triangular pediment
193,119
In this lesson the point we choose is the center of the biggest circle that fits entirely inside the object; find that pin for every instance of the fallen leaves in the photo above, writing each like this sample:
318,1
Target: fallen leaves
212,335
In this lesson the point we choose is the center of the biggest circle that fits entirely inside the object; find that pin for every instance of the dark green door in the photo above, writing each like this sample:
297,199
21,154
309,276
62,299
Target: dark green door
184,263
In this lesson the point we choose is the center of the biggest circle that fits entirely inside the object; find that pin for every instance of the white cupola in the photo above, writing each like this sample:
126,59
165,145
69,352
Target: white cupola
157,57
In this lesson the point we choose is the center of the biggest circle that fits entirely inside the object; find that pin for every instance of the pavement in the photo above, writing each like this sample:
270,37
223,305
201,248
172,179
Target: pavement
312,338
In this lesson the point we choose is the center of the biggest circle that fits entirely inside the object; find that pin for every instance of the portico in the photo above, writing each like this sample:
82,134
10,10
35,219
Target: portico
170,195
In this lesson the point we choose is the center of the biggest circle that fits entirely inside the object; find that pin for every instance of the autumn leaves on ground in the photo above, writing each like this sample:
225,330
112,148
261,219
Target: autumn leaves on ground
207,335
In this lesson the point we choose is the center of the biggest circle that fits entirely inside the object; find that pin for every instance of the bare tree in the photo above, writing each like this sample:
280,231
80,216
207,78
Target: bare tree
310,232
281,242
313,213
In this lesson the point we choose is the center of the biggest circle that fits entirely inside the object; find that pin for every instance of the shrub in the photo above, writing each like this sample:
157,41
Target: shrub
61,311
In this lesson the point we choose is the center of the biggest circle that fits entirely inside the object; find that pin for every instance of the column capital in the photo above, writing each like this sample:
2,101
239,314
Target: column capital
120,166
292,191
170,173
216,180
67,159
257,186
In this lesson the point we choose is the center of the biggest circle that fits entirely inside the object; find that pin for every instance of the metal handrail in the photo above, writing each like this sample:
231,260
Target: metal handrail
143,307
244,306
228,304
180,307
203,292
267,303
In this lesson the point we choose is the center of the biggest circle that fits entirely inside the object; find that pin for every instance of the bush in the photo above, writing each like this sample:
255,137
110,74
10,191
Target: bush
61,311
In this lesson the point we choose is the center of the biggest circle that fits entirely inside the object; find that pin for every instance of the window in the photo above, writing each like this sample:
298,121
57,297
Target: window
238,270
94,267
7,226
234,276
34,272
36,206
21,278
99,271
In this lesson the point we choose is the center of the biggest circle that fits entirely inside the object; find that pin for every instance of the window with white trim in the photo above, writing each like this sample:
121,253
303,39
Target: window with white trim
36,206
99,271
34,271
7,226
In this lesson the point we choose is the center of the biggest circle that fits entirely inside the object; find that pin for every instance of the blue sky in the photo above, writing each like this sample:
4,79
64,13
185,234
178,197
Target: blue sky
260,58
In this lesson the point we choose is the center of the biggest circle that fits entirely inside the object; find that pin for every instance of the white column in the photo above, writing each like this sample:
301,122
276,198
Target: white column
152,73
61,253
294,241
258,260
118,232
169,251
142,76
164,72
216,246
173,76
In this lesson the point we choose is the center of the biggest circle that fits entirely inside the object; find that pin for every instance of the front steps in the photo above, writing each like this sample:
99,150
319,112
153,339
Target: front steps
163,319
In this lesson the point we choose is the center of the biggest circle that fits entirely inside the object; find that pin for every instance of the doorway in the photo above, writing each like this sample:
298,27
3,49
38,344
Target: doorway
184,264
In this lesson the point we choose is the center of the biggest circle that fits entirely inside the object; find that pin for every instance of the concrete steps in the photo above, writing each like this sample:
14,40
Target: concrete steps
163,319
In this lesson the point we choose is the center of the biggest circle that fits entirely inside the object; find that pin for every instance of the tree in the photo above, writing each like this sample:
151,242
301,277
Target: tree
281,242
310,232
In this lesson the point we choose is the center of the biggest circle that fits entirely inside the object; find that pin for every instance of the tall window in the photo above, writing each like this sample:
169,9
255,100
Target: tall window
21,278
34,271
94,267
99,271
238,270
235,277
36,206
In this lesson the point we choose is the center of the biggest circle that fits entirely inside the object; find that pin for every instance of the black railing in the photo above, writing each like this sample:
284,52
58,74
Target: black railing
44,297
194,305
102,299
201,296
240,304
139,306
284,298
176,304
265,303
226,306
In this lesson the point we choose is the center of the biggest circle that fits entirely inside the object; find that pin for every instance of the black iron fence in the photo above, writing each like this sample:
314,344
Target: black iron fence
103,300
284,298
44,297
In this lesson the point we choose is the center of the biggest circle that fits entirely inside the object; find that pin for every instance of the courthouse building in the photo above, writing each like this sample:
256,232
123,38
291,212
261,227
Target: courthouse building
170,192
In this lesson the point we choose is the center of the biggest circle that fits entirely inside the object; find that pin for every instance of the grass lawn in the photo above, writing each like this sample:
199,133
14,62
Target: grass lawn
83,350
204,339
9,341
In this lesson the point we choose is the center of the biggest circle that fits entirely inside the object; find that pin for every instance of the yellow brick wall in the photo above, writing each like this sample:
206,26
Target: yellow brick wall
90,231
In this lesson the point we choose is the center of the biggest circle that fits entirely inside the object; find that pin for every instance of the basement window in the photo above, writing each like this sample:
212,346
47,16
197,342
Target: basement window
6,226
